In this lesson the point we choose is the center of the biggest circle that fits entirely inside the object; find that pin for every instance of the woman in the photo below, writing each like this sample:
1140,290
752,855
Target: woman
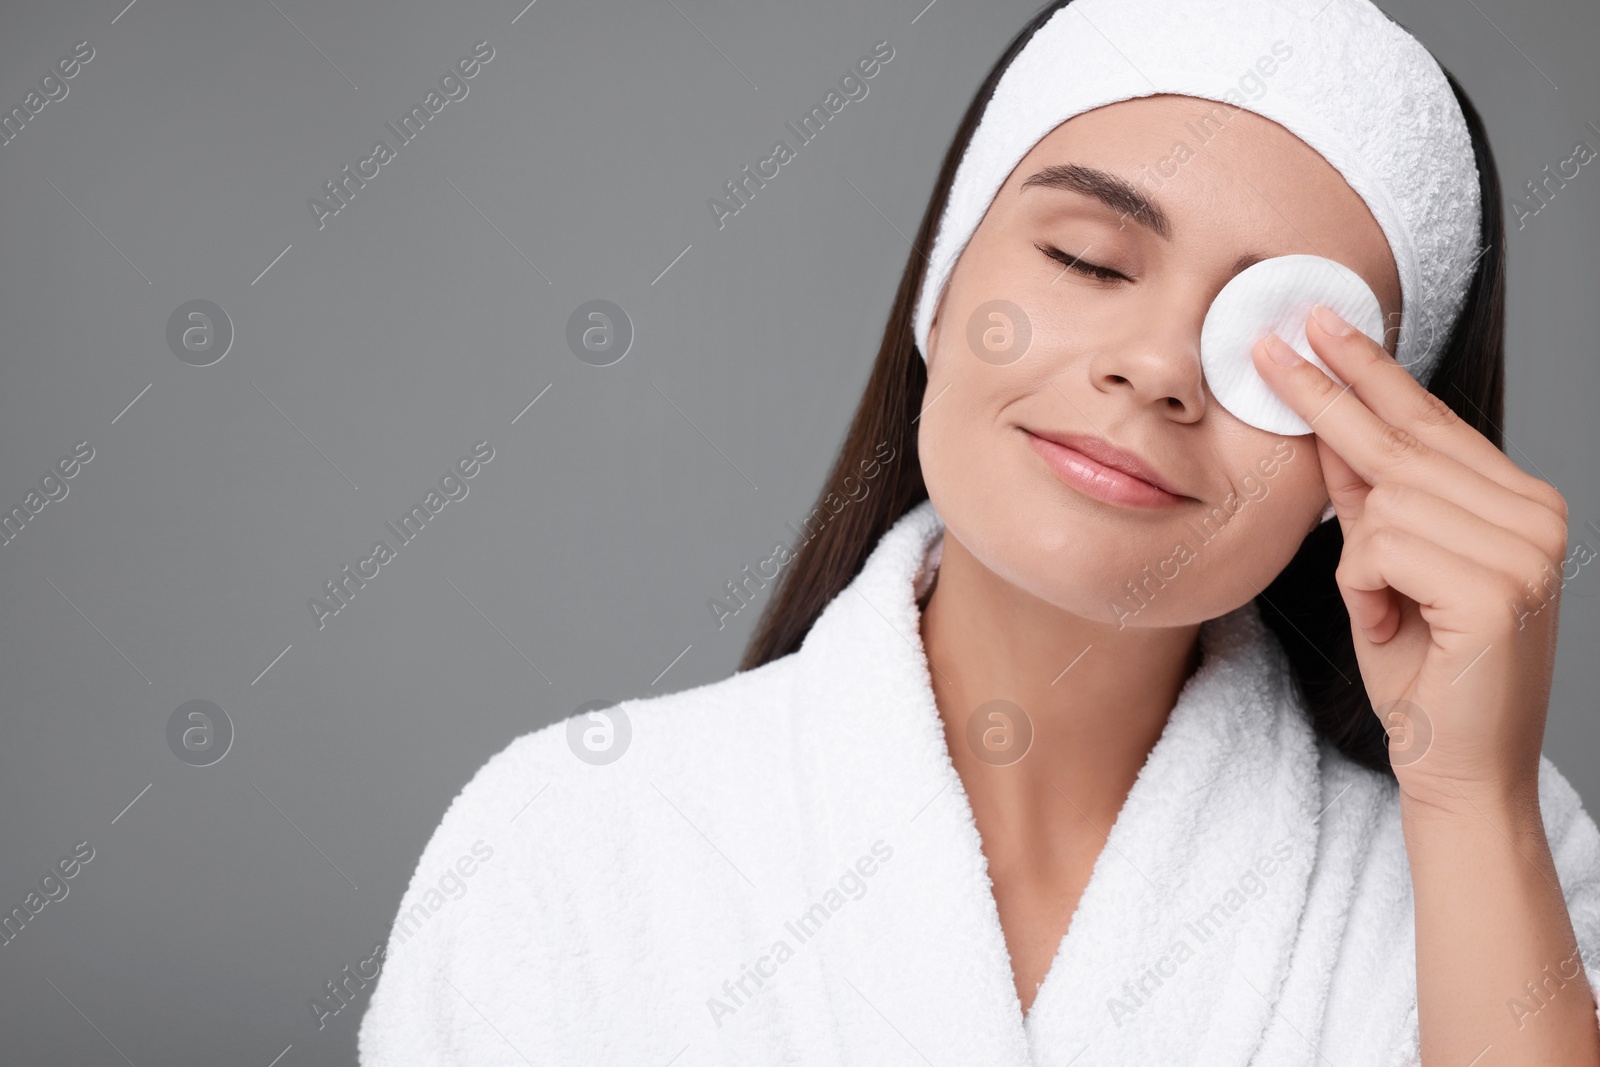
1074,734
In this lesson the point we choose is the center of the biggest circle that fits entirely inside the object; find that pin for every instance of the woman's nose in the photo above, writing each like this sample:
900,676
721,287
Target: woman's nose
1158,369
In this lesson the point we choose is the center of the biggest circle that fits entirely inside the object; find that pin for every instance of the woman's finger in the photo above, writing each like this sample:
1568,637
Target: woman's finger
1394,396
1458,530
1378,451
1447,587
1347,492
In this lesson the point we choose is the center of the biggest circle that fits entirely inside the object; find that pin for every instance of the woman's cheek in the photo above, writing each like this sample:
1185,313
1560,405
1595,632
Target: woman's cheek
1227,549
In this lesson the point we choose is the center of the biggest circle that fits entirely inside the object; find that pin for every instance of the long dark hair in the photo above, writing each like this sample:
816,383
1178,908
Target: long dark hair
1302,606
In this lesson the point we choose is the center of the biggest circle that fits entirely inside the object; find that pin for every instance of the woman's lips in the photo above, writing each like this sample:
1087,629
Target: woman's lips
1098,480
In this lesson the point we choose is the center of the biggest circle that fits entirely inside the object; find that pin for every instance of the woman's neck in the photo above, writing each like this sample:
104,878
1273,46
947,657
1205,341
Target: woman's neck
1095,697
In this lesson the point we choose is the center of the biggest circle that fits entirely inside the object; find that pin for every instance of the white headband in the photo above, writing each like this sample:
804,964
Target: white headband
1344,78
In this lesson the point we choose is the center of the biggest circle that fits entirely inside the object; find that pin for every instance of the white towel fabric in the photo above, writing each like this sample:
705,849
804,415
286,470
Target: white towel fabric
1354,85
799,830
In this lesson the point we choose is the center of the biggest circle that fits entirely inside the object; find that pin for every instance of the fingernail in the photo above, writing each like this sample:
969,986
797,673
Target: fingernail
1331,322
1280,351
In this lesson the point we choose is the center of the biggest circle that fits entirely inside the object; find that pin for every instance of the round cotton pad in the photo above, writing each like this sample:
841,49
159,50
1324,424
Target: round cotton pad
1275,295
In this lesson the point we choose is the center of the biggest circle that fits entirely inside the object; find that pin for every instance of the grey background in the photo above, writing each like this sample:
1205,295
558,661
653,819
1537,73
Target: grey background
424,317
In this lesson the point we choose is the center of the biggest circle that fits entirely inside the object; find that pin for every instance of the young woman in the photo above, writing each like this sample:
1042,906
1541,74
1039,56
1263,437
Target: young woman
1078,731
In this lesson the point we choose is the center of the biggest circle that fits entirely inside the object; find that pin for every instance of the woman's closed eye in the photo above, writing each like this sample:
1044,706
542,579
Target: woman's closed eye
1081,266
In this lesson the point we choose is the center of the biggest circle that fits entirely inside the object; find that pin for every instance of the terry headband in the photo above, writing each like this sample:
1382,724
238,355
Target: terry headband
1339,75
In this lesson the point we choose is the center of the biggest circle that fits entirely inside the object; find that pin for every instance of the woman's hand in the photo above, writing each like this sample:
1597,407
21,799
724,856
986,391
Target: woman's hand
1450,571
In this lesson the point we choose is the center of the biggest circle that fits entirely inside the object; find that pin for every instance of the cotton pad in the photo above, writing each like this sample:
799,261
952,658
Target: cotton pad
1275,295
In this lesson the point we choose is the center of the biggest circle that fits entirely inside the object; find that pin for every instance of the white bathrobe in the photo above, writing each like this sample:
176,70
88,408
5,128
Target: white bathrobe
783,868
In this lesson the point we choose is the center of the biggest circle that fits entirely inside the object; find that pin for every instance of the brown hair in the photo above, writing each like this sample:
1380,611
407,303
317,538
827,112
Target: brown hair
1302,606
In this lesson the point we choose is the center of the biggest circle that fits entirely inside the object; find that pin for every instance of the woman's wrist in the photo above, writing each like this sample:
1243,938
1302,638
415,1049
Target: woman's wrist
1510,803
1494,817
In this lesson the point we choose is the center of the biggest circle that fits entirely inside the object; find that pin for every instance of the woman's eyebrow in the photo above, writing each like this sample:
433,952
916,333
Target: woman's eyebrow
1116,193
1120,196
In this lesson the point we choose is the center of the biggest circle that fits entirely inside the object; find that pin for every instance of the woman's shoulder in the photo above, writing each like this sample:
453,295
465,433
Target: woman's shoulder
1364,893
585,791
736,716
598,836
1371,802
1362,846
1361,818
700,734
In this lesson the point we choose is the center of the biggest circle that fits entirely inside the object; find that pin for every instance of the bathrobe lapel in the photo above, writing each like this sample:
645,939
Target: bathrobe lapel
1181,939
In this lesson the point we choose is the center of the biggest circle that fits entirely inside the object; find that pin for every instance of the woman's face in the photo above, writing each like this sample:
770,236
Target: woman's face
1023,345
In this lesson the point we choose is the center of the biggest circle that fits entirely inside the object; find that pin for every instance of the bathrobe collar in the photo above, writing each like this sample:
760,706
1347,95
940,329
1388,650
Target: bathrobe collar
1182,936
